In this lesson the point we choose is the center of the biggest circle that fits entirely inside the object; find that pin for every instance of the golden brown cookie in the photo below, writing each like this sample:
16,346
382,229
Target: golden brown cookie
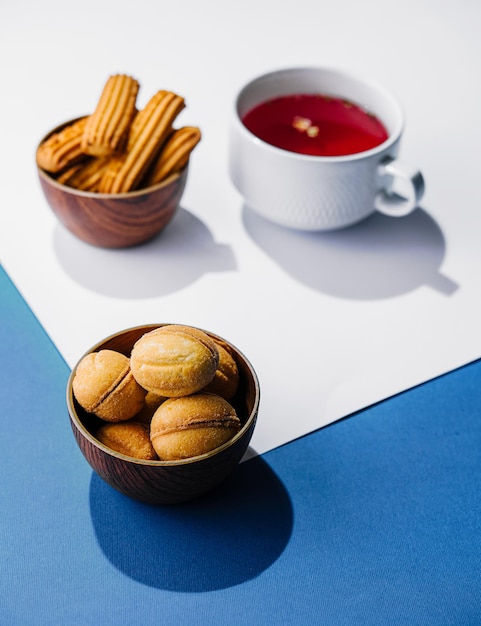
62,148
151,404
130,438
226,378
174,155
174,360
192,425
103,384
106,129
85,176
109,174
149,130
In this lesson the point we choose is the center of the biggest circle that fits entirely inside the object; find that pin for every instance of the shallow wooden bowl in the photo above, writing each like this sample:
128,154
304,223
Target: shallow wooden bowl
165,482
113,220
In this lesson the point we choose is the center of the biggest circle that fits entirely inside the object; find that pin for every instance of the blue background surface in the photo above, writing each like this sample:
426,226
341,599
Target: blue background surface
373,520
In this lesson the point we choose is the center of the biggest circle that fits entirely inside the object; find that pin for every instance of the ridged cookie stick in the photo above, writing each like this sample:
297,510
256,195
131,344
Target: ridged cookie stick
85,176
149,130
109,174
174,155
63,148
108,125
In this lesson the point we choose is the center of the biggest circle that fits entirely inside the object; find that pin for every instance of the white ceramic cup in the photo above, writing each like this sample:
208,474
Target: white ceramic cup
314,192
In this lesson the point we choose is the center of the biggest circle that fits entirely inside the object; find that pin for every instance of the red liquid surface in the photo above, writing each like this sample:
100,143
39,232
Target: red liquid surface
316,125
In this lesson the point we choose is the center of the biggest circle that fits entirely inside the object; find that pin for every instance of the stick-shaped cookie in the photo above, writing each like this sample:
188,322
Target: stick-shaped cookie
107,127
63,148
148,133
85,176
174,155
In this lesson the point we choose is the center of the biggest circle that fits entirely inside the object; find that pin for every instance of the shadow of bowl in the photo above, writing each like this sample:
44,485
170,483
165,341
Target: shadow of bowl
181,254
229,536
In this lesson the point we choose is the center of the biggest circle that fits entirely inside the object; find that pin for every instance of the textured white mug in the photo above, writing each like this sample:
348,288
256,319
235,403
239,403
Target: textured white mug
317,192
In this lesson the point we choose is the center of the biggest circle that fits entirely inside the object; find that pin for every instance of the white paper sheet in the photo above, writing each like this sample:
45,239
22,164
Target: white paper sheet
331,322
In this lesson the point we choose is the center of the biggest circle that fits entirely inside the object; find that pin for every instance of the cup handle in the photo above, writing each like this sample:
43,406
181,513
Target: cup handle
409,179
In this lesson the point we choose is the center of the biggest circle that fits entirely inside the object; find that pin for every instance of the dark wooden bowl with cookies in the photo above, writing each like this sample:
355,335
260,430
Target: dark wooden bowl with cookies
115,177
113,220
156,480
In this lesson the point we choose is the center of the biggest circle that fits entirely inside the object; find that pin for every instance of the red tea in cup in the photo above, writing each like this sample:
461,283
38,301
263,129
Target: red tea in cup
316,125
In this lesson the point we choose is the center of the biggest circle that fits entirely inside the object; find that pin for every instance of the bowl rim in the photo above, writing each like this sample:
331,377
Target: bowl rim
159,463
95,194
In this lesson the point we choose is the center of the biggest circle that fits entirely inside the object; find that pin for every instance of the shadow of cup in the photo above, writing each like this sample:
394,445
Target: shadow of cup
380,257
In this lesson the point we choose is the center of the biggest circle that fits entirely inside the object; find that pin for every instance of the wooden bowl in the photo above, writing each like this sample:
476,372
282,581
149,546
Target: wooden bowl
114,220
165,482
